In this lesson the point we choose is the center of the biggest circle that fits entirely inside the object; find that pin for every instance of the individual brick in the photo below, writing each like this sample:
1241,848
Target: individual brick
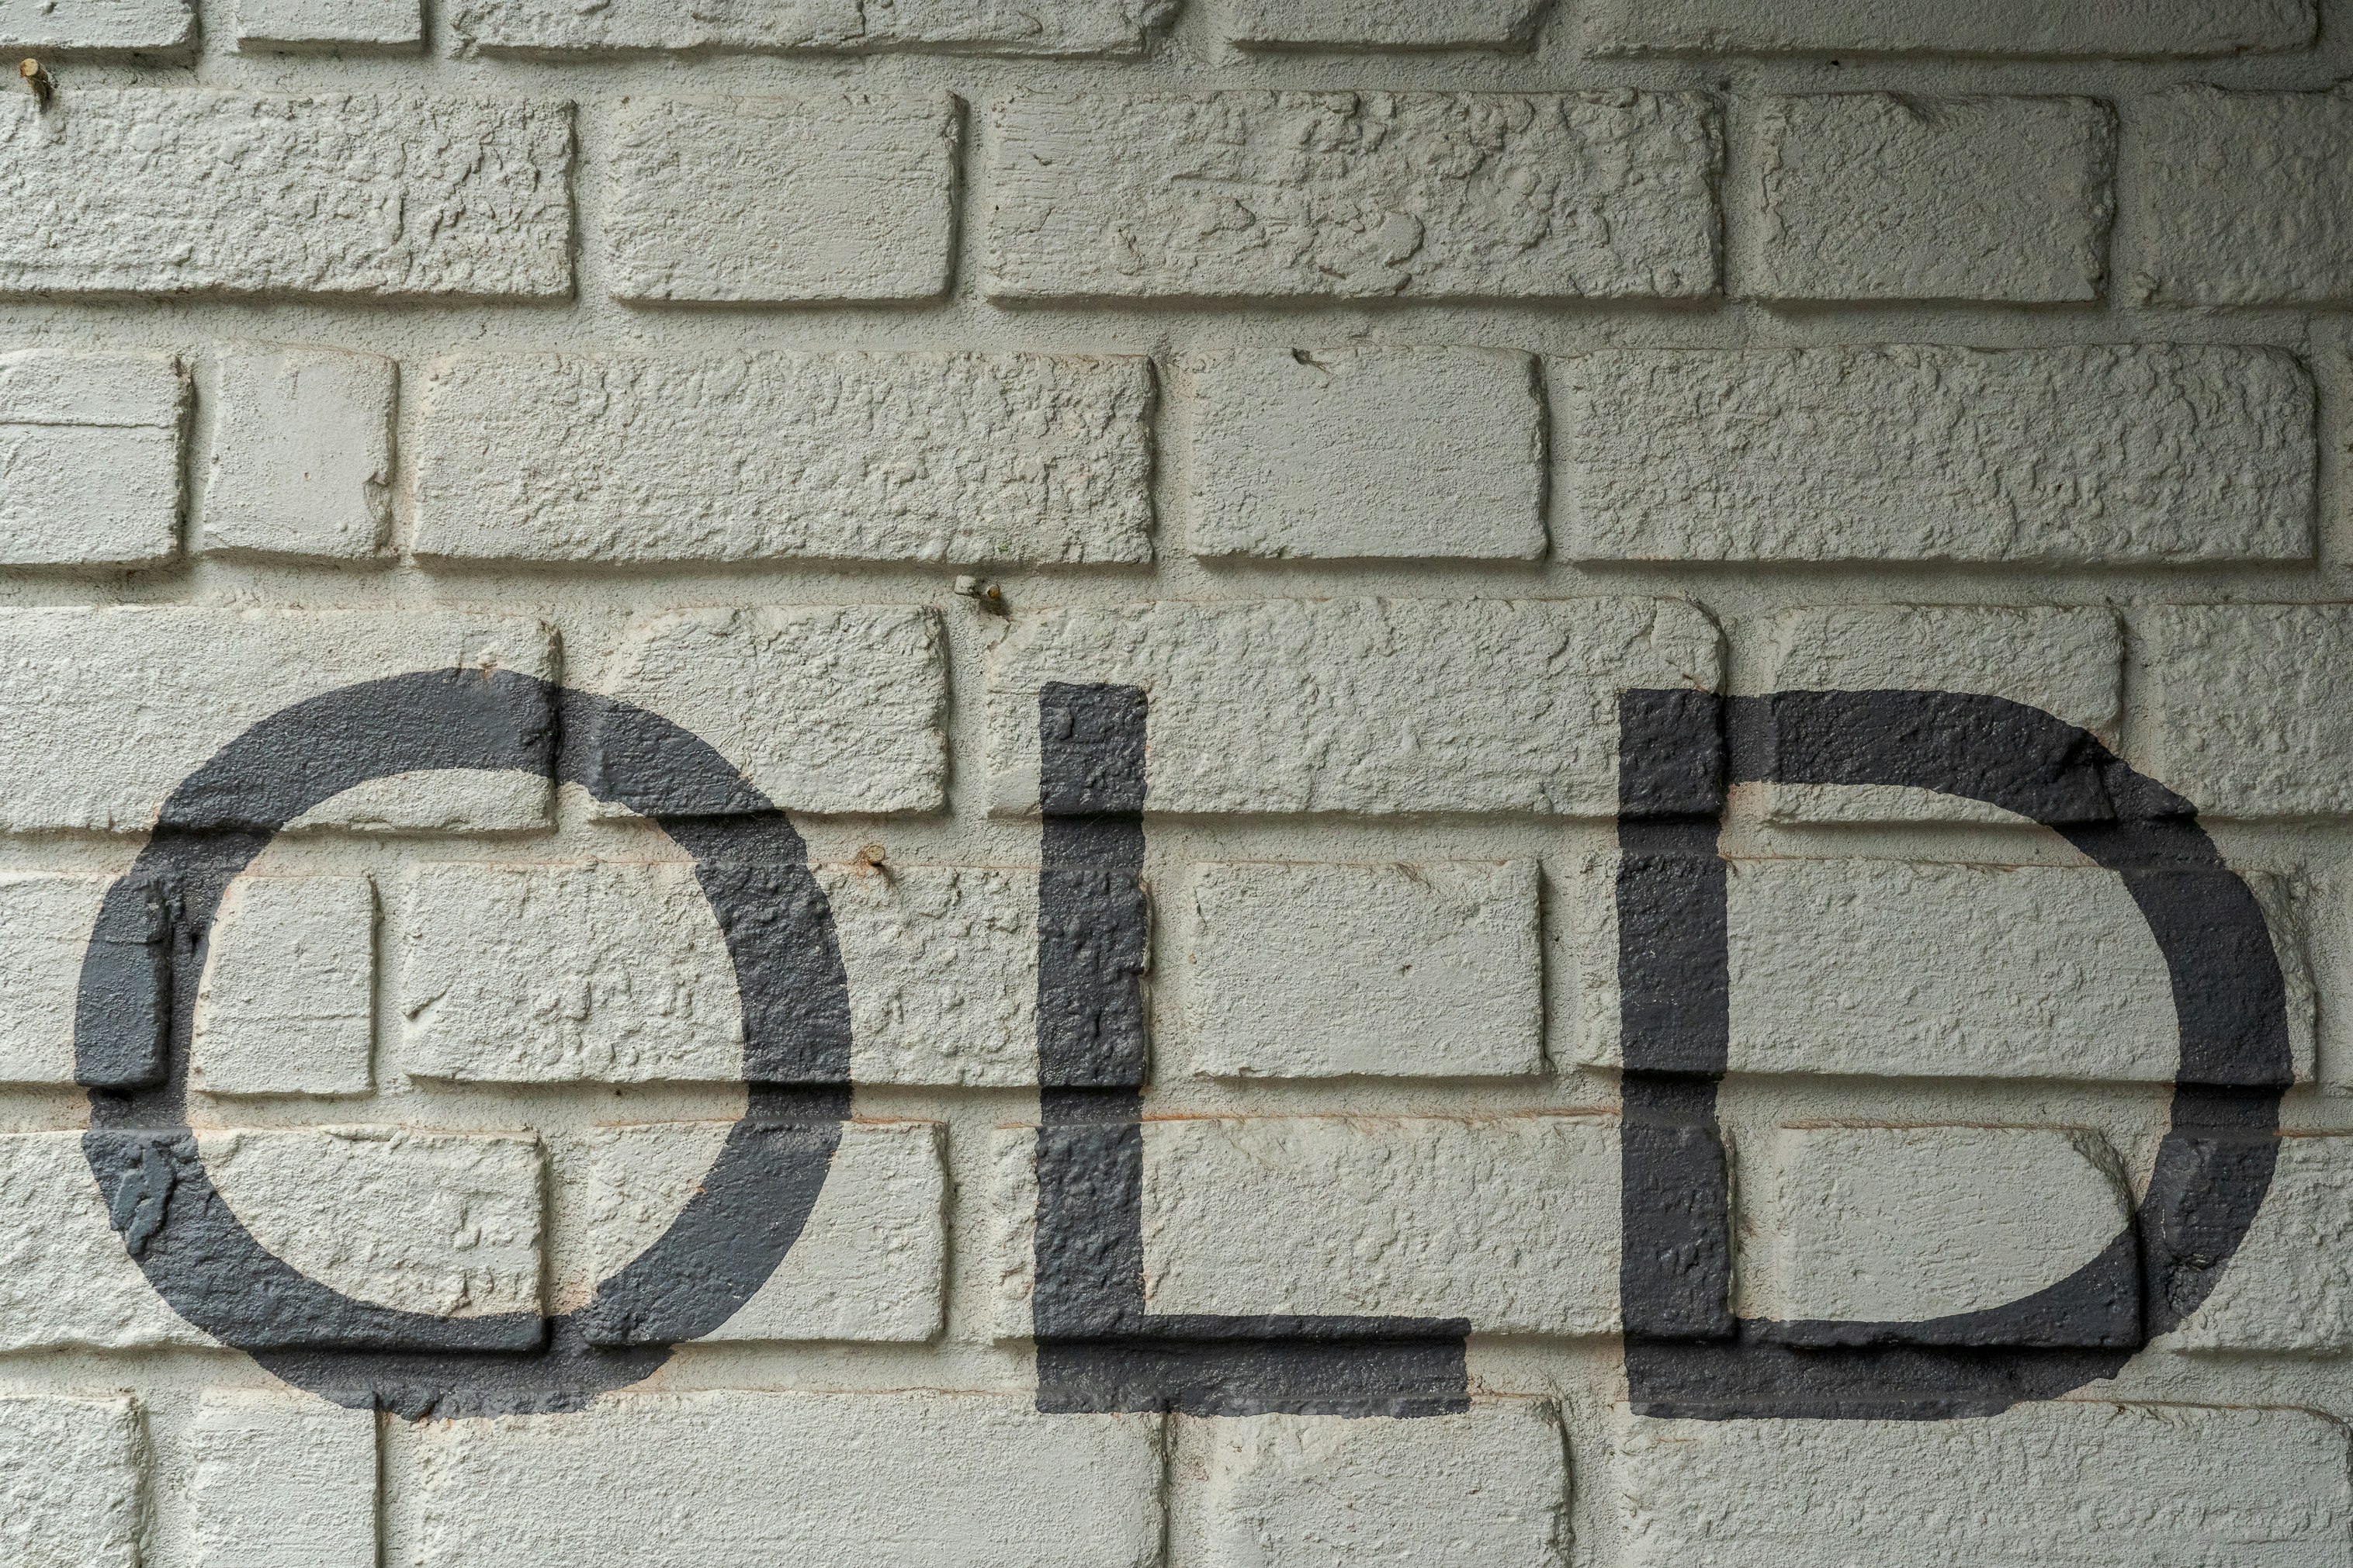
2066,662
1902,1224
1999,28
2246,199
615,972
113,707
1488,1485
1100,28
91,444
2092,456
98,27
1381,23
301,459
2289,1286
287,1002
742,199
2051,1481
1280,706
149,192
1428,970
2237,706
283,1481
436,1223
1365,452
66,1281
901,457
943,963
45,929
1349,195
1511,1223
869,1265
602,970
852,1480
833,710
343,25
72,1487
1897,969
1886,196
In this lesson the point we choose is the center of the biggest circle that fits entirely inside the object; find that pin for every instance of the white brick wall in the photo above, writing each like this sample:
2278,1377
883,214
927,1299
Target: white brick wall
1433,408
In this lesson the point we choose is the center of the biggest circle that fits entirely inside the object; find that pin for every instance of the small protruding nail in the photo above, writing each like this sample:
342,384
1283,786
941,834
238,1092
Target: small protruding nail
38,79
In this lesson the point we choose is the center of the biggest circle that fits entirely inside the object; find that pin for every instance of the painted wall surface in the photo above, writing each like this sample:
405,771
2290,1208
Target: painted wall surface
1176,783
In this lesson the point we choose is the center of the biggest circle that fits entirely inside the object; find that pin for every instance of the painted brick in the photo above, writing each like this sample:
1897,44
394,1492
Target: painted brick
97,26
869,1263
737,199
2289,1287
823,710
90,445
1487,1485
1511,1223
2068,662
2246,204
45,929
943,963
431,1223
72,1489
287,1002
2023,456
2060,1483
1897,969
1861,196
1474,705
1900,1223
1346,195
283,1481
1365,452
2001,27
344,25
1381,23
1426,970
152,191
301,458
729,1480
112,708
2238,706
1113,28
65,1279
614,972
603,970
1022,458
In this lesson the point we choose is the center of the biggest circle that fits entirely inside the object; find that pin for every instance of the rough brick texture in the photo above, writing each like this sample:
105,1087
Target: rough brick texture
1026,459
1380,24
71,1491
2003,28
731,1477
1861,196
1369,453
154,192
978,26
1429,970
1889,969
2254,200
302,457
115,707
98,27
91,444
2033,455
284,1482
1476,705
1511,1223
2057,1483
1352,194
744,199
